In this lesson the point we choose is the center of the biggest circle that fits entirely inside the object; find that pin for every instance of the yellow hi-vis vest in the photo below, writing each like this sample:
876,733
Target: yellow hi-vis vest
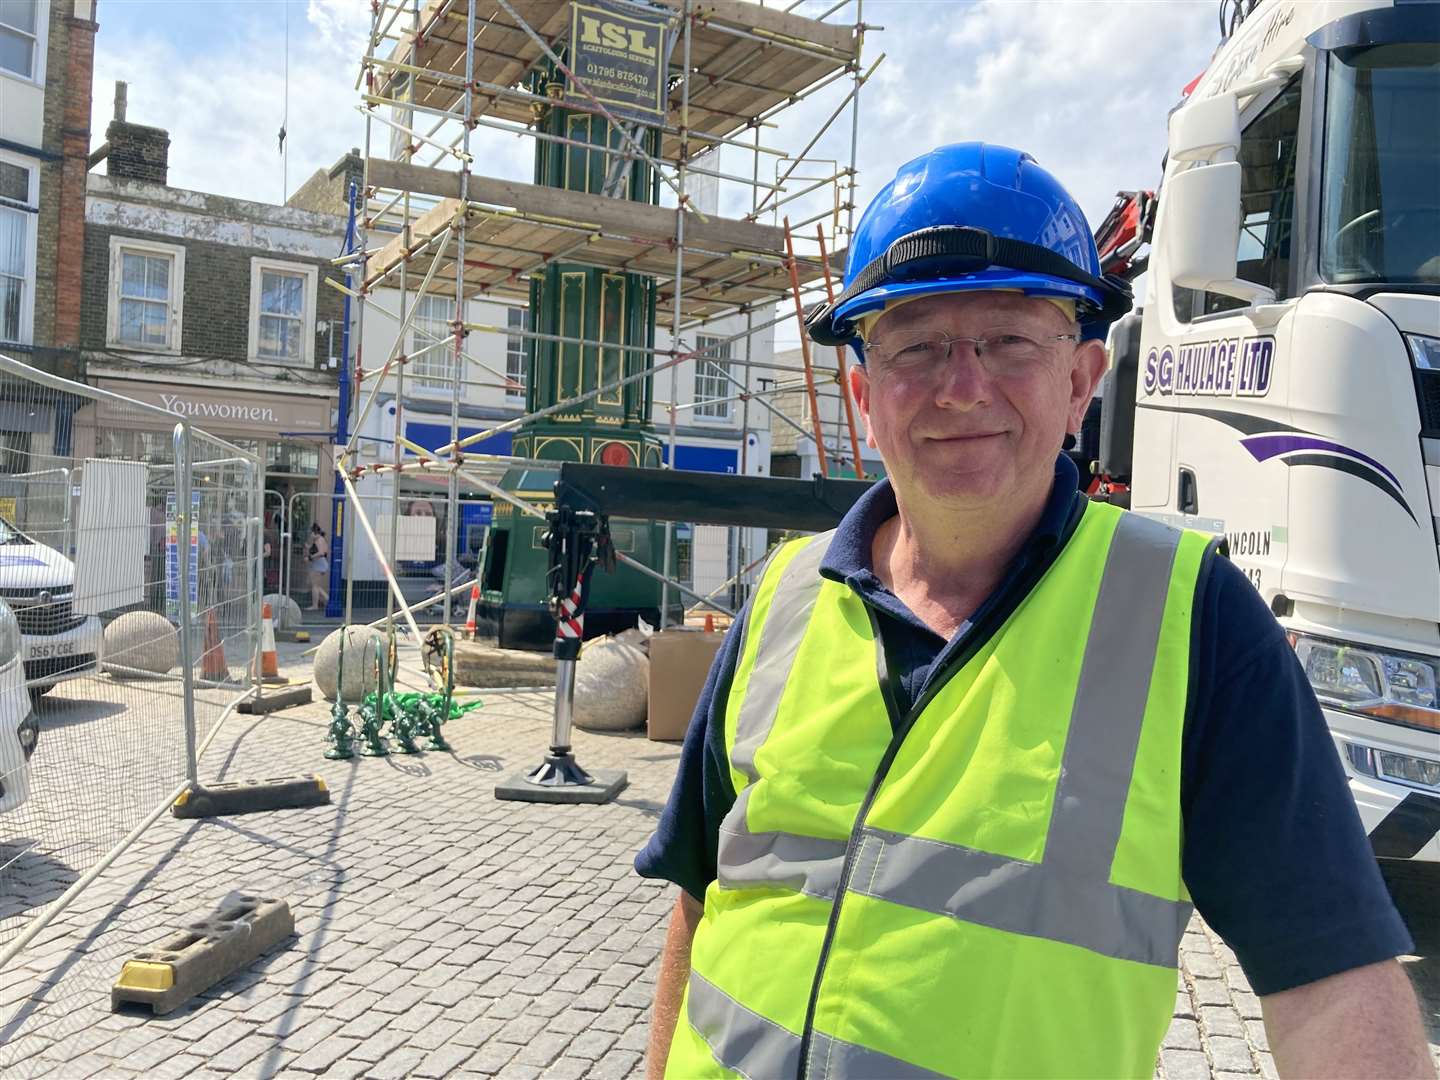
992,888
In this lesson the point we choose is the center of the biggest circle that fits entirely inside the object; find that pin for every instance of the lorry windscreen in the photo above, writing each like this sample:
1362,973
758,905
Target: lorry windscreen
1381,202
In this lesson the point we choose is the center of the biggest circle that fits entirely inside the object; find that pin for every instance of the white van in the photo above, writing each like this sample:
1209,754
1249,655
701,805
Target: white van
38,585
19,729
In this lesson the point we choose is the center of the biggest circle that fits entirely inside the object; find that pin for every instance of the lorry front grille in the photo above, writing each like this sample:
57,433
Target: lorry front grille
1427,383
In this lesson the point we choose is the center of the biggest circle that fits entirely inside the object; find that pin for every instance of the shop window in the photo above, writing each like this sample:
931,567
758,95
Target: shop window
153,447
713,387
1268,149
292,457
432,343
685,555
20,30
147,284
18,214
282,312
515,319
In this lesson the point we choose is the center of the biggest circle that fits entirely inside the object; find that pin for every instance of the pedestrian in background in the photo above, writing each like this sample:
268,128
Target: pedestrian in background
317,553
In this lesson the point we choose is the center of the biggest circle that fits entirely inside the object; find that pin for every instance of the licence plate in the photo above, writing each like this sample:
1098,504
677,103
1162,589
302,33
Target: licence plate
45,651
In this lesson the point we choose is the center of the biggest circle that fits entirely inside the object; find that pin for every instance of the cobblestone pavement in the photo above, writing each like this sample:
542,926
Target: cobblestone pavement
439,932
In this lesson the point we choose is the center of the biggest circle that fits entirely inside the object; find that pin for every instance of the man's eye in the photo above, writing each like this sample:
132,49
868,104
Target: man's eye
920,350
1010,340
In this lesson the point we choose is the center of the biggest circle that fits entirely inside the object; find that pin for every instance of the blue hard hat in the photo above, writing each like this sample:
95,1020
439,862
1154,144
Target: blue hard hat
971,216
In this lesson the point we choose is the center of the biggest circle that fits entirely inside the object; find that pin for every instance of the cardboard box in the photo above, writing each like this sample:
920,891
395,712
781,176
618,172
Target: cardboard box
679,662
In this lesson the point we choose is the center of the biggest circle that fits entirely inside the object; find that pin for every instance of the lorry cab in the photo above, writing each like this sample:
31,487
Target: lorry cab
37,583
1284,385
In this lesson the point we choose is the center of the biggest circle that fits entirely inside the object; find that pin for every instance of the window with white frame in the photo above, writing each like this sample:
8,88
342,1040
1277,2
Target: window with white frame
20,37
17,250
147,285
282,312
515,319
431,360
713,387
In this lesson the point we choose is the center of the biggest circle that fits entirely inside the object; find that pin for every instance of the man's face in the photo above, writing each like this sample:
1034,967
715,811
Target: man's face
965,433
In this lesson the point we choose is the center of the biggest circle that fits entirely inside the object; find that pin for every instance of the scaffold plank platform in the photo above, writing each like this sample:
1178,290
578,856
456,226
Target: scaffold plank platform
514,229
748,61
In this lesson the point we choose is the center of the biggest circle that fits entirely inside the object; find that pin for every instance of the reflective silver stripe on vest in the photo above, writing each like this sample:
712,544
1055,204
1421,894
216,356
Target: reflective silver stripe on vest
1109,710
1034,899
847,1061
781,860
745,858
1067,897
745,1042
790,608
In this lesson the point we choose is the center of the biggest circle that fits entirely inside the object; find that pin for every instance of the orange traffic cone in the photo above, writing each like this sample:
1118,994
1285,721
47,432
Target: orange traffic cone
269,662
709,622
212,662
470,618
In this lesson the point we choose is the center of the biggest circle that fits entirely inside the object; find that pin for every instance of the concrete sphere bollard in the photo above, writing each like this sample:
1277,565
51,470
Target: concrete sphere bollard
140,641
612,684
284,612
360,666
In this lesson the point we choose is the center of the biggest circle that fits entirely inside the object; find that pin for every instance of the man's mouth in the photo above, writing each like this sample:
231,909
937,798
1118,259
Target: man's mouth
966,437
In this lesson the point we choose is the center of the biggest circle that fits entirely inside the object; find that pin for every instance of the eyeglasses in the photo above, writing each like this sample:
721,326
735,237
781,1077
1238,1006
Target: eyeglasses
927,352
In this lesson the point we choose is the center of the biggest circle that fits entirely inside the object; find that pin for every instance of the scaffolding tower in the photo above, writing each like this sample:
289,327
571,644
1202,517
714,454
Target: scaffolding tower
439,76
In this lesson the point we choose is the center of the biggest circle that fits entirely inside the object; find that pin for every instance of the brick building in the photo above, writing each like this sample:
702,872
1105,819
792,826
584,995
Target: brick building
47,51
214,309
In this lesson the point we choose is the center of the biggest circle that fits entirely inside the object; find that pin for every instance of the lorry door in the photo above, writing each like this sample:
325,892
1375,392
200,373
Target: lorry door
1228,373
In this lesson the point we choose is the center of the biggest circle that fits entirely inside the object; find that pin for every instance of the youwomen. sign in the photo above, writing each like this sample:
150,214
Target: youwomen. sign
620,57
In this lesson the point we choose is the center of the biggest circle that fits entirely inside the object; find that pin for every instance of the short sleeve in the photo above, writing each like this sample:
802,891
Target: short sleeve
1275,856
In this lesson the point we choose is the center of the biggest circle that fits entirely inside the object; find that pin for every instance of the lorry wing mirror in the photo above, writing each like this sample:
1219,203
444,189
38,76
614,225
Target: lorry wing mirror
1206,130
1202,233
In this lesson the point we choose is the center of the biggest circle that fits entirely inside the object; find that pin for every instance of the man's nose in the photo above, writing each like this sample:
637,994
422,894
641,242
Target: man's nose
963,383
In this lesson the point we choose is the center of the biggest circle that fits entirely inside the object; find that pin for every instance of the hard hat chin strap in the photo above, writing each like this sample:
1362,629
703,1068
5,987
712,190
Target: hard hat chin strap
951,250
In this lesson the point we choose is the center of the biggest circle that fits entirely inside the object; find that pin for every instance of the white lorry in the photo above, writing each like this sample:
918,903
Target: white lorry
1285,392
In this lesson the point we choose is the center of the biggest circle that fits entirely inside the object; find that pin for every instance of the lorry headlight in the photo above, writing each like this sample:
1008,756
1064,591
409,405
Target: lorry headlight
9,637
1362,679
1425,350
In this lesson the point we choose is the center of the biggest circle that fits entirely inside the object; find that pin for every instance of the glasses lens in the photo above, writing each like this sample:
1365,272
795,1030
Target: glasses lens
1009,351
916,350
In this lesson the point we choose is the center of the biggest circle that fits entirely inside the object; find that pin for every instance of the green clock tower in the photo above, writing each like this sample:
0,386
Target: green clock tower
575,301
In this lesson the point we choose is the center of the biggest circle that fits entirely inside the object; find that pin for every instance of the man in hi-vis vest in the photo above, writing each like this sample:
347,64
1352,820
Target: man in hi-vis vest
964,764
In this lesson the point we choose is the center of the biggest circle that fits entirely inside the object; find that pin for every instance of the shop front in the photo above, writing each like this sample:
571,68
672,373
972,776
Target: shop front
288,431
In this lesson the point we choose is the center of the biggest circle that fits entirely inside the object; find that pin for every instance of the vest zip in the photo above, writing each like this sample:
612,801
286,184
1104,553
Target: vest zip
980,633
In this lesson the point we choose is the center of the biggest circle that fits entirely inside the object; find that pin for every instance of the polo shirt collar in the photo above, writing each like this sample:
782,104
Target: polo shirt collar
850,559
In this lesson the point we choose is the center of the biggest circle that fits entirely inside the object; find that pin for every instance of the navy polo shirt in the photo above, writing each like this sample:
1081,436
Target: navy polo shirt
1275,856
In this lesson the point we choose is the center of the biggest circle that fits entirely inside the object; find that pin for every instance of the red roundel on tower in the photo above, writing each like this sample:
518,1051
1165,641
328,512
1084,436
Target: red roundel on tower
614,453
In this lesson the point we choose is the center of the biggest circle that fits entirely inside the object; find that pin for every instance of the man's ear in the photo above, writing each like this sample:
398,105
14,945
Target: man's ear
860,391
1085,375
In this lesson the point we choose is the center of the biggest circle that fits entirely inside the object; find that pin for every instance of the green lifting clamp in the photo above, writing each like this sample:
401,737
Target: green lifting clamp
342,730
432,716
371,711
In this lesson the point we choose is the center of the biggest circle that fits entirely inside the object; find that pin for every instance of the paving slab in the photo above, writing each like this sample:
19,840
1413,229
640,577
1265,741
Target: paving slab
439,931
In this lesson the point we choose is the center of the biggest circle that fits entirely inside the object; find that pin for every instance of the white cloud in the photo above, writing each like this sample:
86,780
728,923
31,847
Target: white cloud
1084,85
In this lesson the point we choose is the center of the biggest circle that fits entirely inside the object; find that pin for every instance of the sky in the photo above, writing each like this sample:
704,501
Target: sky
1083,85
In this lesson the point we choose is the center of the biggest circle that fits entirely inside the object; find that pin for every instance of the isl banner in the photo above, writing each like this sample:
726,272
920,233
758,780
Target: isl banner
620,57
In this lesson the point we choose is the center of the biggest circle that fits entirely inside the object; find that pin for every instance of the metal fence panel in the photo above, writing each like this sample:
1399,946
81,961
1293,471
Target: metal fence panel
129,564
